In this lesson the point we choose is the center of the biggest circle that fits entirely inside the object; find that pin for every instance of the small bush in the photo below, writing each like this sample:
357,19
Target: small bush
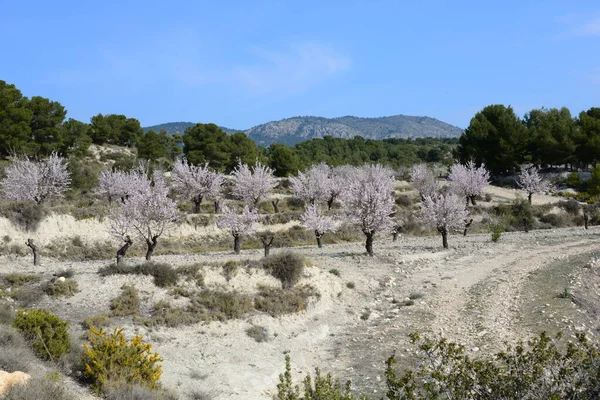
27,296
335,271
276,302
573,181
365,315
221,305
192,273
258,333
164,274
116,391
404,200
230,269
15,354
286,266
7,314
555,220
571,206
416,296
25,215
110,357
488,197
324,387
496,228
67,287
17,279
127,303
98,321
115,269
350,285
38,389
47,333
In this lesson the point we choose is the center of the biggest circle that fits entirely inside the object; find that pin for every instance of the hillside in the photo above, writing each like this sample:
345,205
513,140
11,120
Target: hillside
179,127
298,129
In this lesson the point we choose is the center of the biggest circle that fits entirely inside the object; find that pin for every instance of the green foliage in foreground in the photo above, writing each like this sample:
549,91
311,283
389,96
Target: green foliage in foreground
47,333
542,368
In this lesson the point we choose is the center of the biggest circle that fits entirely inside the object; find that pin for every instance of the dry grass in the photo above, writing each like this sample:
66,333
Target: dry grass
127,303
276,301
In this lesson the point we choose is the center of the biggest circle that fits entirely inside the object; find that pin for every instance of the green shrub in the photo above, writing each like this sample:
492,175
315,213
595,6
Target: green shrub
323,388
276,301
286,266
164,274
27,295
67,287
7,314
38,389
47,333
258,333
111,358
573,180
496,229
127,303
571,206
556,220
350,285
17,279
335,271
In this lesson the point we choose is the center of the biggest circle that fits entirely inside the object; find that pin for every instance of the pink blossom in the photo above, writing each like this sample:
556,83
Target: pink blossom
444,212
423,180
196,182
530,181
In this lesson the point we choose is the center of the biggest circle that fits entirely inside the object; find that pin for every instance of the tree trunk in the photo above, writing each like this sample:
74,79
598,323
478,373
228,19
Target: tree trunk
330,202
151,245
467,225
311,202
394,236
267,241
586,220
526,224
275,205
236,244
369,243
197,201
35,250
123,250
217,207
529,197
444,233
473,202
319,236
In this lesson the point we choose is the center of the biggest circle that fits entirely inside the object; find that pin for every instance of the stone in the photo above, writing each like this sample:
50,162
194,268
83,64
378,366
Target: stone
14,378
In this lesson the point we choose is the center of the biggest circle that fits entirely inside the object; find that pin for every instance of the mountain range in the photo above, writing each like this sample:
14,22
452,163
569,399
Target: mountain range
290,131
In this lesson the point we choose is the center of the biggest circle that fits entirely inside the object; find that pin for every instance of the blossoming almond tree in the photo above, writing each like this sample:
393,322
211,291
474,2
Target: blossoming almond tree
149,212
423,180
368,201
237,223
444,212
469,180
196,182
338,178
313,219
120,184
312,184
252,184
530,181
31,180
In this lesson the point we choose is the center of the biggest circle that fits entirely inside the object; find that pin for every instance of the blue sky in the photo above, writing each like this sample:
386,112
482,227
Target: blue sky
243,63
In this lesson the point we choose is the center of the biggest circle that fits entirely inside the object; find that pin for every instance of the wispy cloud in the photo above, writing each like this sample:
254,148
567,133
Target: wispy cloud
293,69
182,58
580,25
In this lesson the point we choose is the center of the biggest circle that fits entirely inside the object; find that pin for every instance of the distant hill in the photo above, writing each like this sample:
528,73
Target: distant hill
179,127
298,129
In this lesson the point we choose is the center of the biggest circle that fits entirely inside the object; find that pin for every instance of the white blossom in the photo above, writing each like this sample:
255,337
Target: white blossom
423,180
147,212
196,182
368,201
252,185
312,184
316,221
31,180
469,180
444,212
530,181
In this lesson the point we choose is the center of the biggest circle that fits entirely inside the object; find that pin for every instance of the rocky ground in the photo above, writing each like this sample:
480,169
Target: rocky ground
478,293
